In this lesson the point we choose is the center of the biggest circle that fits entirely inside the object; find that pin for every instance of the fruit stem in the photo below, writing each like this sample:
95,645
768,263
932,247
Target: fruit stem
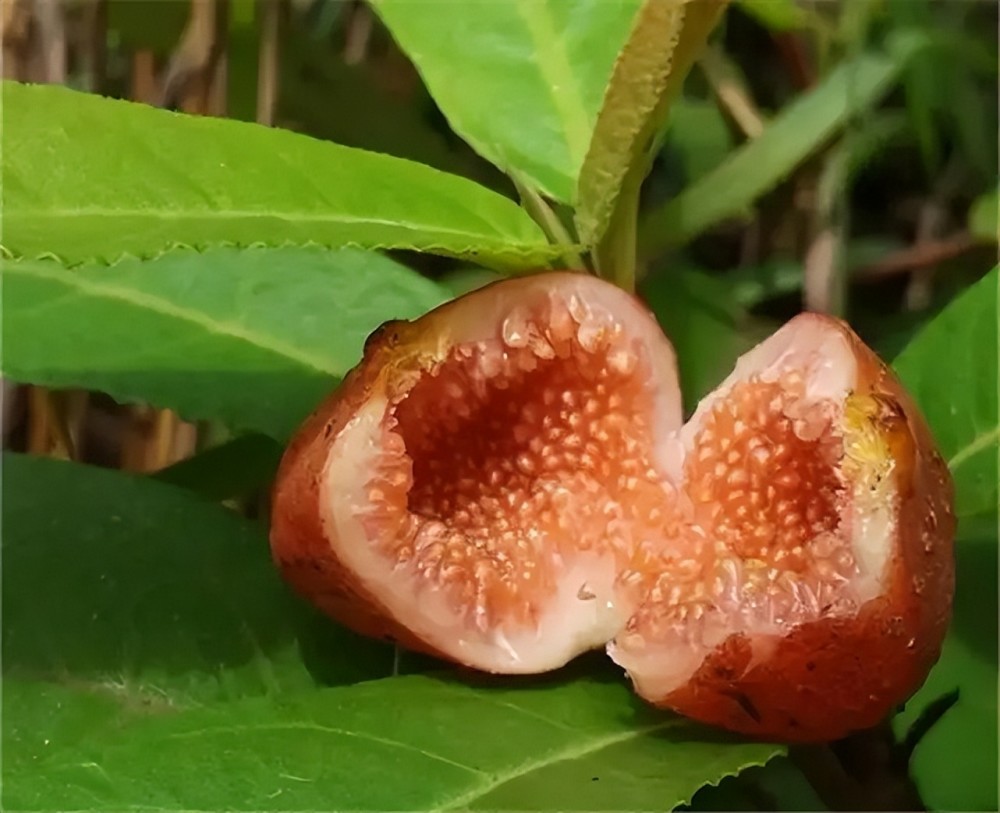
534,204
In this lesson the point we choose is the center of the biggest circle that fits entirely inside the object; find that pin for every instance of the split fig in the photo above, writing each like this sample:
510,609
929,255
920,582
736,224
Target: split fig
507,482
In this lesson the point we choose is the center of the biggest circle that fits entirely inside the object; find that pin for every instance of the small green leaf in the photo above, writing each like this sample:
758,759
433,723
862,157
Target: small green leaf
396,744
253,338
951,370
984,217
665,39
112,178
119,586
520,80
794,134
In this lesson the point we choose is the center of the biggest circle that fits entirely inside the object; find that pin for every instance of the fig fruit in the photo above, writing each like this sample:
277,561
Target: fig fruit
805,585
470,489
506,482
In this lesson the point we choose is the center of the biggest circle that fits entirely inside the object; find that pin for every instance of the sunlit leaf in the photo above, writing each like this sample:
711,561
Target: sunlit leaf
520,80
109,178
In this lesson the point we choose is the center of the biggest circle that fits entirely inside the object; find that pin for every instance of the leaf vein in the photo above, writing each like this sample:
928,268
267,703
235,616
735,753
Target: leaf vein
360,735
558,76
86,286
978,444
575,751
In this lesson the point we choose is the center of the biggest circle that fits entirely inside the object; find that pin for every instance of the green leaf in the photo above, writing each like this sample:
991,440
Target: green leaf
797,132
125,588
951,370
415,743
778,785
520,80
665,39
112,178
969,665
254,338
984,216
705,323
232,469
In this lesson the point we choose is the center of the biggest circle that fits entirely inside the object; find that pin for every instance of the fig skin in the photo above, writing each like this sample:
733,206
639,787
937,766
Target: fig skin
829,678
299,544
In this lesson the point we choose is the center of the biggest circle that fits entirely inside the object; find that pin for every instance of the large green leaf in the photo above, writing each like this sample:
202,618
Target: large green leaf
665,39
413,743
520,80
86,177
254,338
951,368
121,587
794,134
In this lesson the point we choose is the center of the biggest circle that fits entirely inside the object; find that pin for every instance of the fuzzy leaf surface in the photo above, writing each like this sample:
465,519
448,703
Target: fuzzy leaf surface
665,39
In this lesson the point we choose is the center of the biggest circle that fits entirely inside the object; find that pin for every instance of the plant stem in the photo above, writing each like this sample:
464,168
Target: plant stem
534,204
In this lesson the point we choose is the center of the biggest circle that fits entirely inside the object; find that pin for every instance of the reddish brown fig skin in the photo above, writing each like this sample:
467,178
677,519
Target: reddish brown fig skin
299,544
836,676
